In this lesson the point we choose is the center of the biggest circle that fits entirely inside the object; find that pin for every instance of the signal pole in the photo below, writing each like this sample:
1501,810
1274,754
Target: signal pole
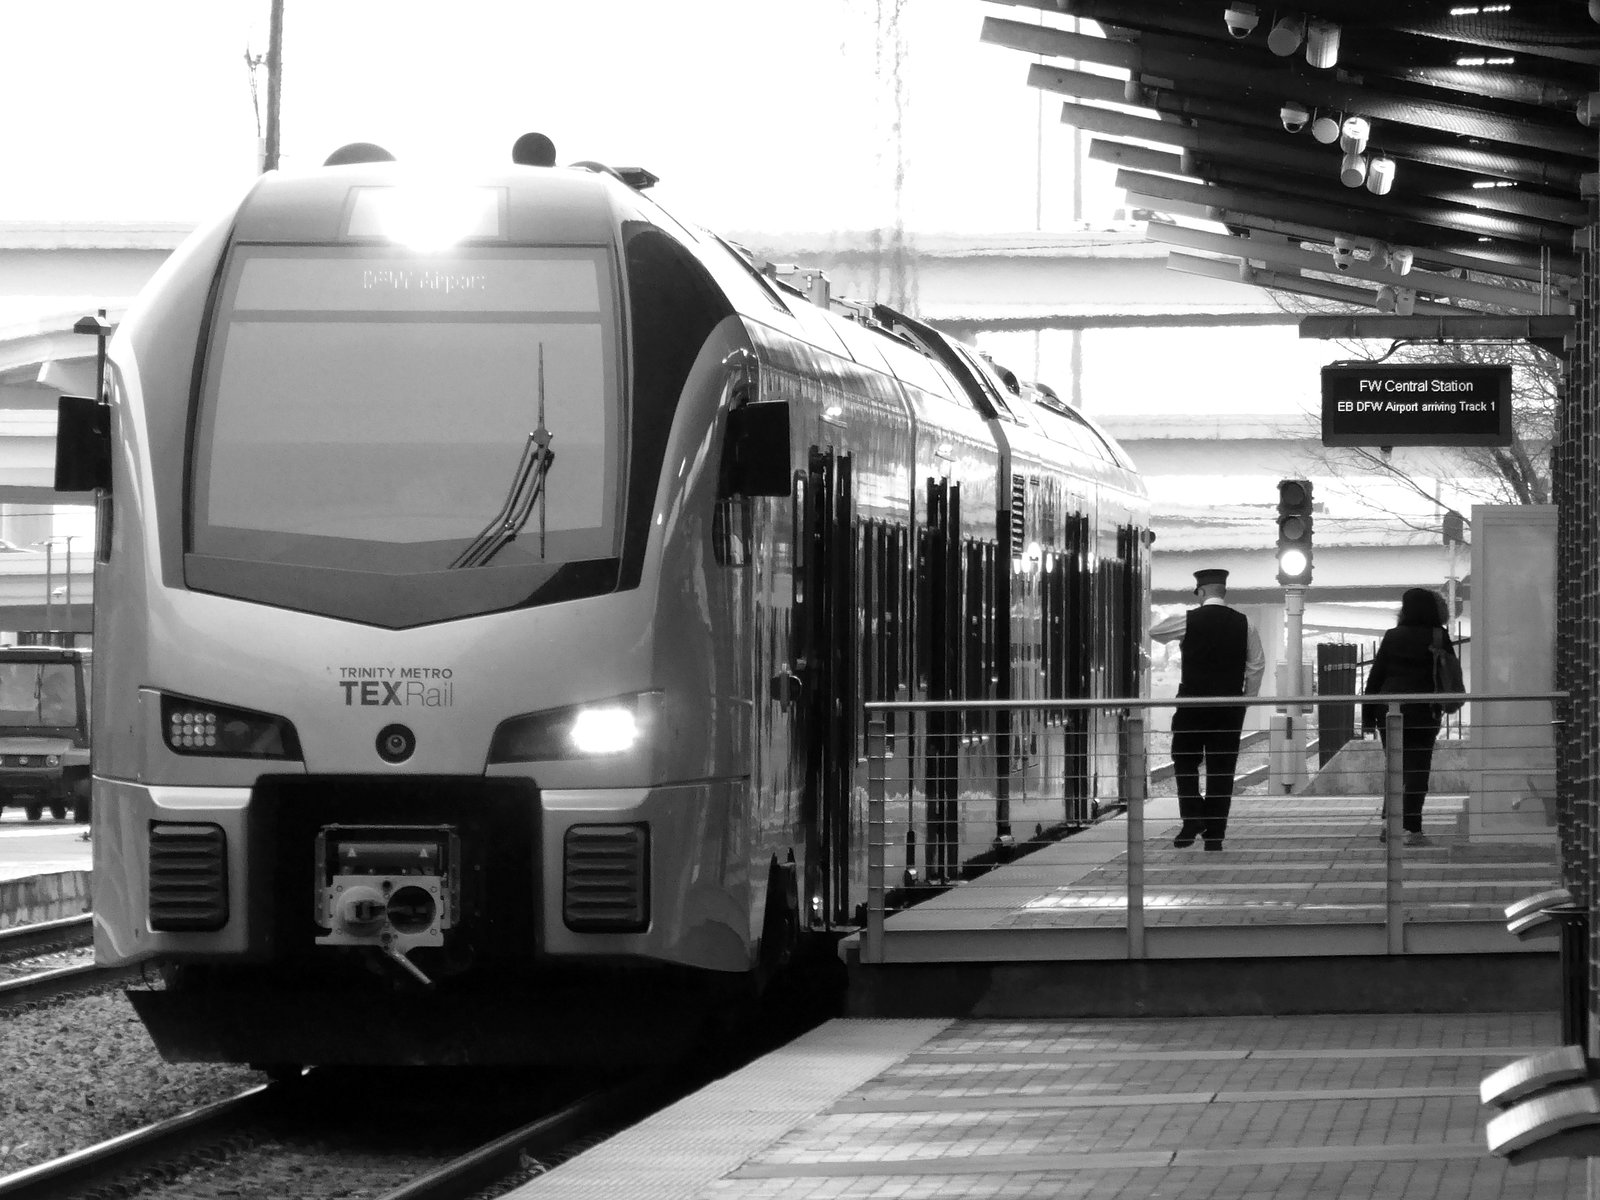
269,158
1287,737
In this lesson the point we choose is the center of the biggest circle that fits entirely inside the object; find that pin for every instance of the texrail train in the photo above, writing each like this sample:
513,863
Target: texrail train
490,574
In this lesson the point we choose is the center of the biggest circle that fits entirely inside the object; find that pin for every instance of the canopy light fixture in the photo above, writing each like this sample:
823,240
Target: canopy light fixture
1353,134
1396,258
1322,43
1380,175
1241,19
1287,34
1353,170
1294,115
1325,127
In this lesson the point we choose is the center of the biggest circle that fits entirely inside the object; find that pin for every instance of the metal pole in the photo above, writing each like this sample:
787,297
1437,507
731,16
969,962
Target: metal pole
49,585
68,540
274,85
877,789
1393,798
1133,725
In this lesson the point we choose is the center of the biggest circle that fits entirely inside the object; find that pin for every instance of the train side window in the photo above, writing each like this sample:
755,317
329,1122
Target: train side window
731,532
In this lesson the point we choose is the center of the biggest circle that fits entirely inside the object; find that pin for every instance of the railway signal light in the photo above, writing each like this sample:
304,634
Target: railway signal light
1294,532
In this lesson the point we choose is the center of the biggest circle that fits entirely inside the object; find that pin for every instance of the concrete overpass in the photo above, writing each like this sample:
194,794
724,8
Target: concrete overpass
977,286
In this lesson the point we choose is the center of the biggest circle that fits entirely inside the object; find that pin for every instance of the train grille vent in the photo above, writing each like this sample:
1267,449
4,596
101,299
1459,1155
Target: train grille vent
607,874
1019,504
188,877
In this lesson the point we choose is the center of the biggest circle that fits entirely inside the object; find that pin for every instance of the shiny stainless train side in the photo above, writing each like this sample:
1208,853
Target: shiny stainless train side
490,574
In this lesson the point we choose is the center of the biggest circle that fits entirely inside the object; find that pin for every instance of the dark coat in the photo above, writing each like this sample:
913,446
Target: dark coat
1403,663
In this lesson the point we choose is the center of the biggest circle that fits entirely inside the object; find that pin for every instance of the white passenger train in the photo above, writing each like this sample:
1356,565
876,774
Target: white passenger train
490,576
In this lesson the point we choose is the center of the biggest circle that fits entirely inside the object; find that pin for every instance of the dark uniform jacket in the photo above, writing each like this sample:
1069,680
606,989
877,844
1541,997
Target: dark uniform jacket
1215,646
1403,663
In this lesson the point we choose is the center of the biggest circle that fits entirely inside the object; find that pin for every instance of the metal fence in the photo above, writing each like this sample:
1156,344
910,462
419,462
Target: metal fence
1044,816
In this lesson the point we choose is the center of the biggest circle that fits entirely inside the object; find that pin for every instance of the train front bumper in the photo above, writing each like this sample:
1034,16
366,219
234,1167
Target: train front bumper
517,877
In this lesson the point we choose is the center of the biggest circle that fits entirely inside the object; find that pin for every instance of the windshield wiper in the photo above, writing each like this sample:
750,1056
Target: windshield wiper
527,490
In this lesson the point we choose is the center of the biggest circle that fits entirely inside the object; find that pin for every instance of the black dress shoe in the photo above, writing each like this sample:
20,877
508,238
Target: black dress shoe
1185,838
1213,843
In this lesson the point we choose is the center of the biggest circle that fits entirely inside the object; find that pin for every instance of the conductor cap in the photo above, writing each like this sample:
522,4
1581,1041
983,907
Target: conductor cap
1201,578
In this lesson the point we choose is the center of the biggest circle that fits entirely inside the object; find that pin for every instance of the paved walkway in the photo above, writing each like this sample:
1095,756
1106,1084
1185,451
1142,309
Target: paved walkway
1264,1108
1286,860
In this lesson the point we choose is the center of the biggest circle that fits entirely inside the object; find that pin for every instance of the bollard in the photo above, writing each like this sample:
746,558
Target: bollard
1573,922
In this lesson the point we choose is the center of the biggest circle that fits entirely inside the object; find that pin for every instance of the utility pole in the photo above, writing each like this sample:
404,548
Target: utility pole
269,159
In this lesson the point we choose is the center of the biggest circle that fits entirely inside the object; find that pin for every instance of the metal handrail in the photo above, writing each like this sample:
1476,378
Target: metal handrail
1133,771
896,706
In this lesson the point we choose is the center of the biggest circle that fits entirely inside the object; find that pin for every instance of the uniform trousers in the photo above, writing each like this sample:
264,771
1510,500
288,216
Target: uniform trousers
1206,739
1419,730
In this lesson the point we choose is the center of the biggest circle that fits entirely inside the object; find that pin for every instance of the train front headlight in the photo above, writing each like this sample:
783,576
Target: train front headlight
594,730
200,727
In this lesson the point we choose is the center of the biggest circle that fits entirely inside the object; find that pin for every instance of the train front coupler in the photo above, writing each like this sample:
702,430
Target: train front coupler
394,888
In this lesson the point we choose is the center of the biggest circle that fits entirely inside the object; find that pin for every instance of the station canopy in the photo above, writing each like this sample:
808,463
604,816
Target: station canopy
1430,165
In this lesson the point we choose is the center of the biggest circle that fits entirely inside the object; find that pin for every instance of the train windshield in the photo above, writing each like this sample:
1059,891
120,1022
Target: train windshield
366,410
35,695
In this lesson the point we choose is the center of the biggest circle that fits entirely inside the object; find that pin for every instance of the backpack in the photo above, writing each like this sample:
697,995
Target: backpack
1446,673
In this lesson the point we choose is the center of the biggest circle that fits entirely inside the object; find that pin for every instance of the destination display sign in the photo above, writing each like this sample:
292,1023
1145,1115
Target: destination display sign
1416,404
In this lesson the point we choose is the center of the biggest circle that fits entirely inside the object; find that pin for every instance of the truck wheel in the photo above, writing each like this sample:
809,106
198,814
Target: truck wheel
34,811
58,811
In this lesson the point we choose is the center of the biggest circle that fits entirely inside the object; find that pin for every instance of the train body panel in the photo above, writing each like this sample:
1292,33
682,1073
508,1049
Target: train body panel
501,611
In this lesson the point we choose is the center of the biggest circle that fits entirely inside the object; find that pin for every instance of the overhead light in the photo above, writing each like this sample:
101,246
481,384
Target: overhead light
1322,43
1380,175
1353,134
1386,299
1353,170
1294,115
1325,128
1241,19
1396,258
1286,35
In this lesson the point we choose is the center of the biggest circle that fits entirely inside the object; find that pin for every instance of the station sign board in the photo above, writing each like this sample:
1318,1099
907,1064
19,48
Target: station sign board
1416,404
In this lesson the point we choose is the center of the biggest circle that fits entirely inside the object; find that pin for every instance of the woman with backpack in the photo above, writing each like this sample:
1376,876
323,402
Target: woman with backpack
1405,662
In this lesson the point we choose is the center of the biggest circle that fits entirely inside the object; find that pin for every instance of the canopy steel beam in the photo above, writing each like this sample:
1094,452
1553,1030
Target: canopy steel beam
1168,62
1281,254
1397,231
1183,112
1301,285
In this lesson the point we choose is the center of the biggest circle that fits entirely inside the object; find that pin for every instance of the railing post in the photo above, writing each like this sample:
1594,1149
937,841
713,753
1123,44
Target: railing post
1393,801
877,833
1133,790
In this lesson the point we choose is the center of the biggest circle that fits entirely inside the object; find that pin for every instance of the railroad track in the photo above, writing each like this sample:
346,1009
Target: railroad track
169,1147
21,944
45,937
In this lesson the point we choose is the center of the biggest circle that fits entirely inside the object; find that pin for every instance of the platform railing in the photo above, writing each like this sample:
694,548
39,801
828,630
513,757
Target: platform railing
1049,806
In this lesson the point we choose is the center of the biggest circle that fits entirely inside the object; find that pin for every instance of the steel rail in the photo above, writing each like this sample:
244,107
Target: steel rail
37,937
63,981
97,1165
479,1169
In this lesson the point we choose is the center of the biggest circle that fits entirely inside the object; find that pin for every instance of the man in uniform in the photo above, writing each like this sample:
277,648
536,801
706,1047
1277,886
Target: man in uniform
1222,656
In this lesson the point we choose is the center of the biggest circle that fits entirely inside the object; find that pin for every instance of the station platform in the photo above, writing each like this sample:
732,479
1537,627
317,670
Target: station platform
1311,1107
44,869
1304,910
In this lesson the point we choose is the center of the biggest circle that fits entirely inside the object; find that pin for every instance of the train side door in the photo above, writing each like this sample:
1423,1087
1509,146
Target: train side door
825,635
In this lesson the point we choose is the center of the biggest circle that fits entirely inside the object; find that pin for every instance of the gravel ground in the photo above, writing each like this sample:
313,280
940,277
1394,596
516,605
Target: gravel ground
80,1070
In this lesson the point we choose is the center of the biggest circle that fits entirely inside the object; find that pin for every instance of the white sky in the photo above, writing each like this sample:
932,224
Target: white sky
756,114
766,115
